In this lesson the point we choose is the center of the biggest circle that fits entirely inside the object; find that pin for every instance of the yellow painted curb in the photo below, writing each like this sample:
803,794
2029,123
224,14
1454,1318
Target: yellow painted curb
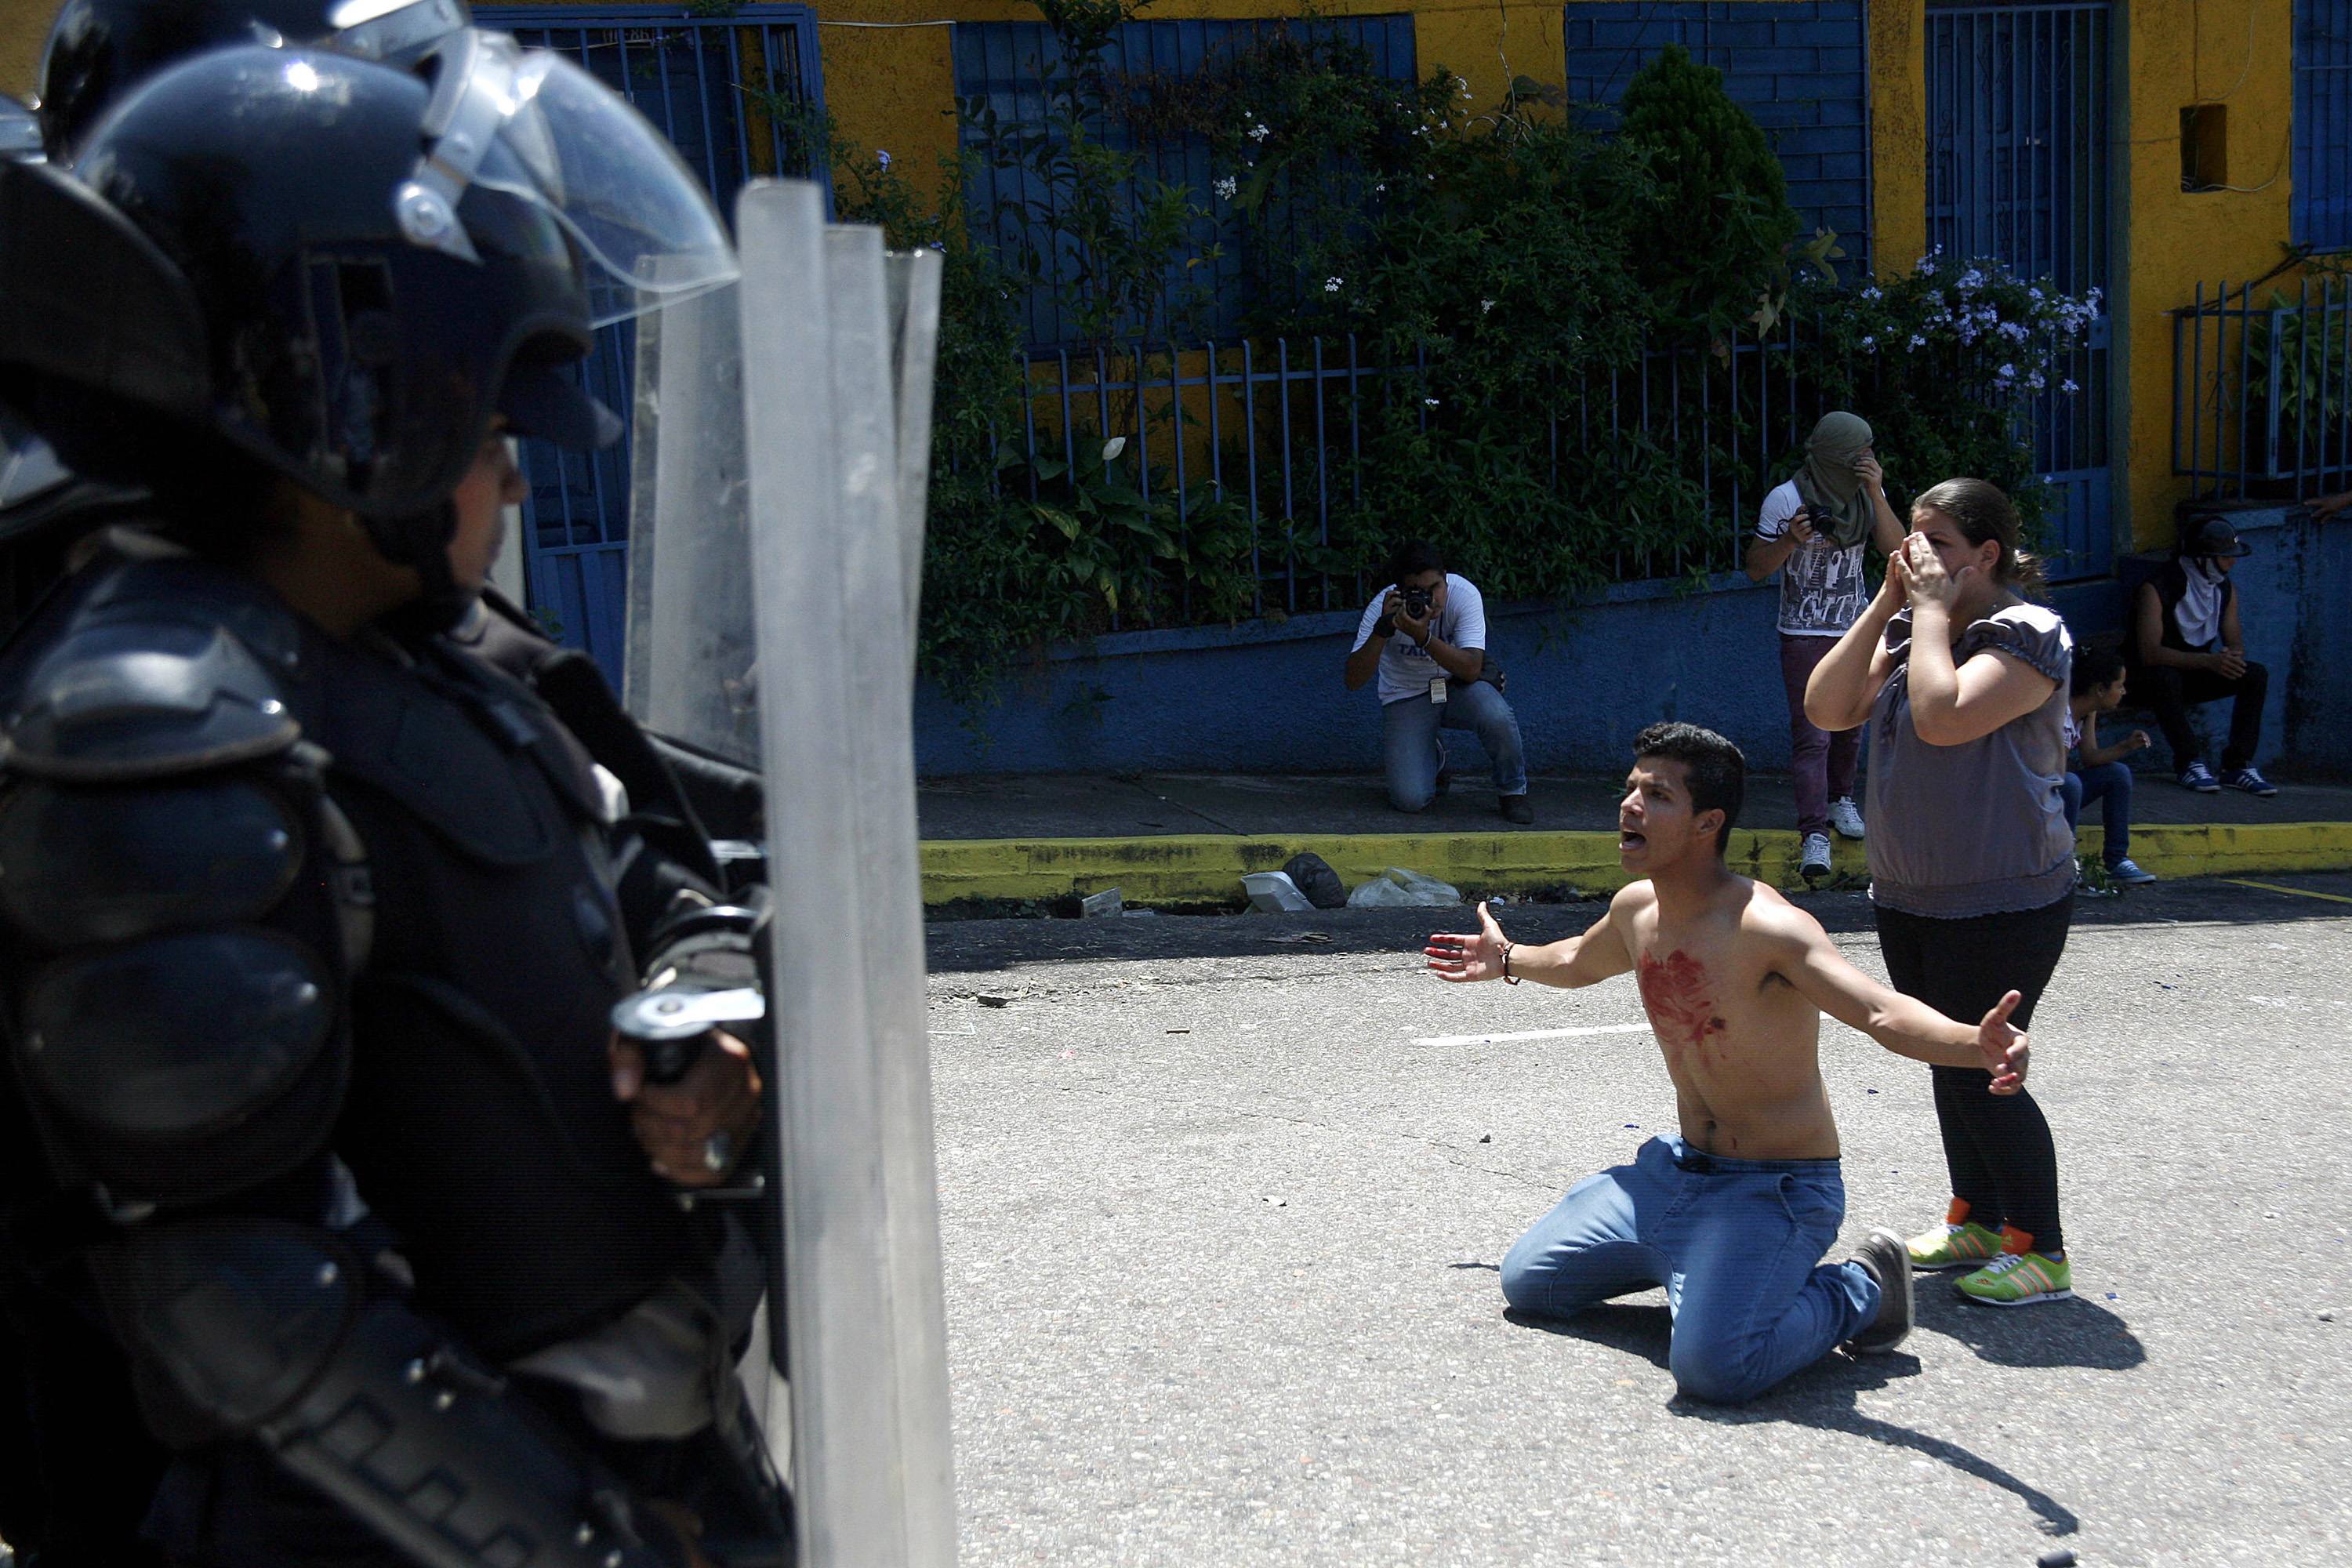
1176,868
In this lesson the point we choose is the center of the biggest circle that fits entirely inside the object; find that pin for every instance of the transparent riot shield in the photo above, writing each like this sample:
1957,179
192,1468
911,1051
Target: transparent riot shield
835,545
688,672
780,459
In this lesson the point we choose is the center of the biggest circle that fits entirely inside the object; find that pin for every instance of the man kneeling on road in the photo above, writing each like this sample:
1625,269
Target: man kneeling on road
1425,636
1732,1216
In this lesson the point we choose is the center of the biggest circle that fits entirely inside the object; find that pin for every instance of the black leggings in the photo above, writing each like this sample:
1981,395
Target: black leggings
1997,1147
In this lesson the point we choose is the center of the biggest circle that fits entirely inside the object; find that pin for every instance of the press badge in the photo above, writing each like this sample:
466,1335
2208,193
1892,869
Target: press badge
1437,690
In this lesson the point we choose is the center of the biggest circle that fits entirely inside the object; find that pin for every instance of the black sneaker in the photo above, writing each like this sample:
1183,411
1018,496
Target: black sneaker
1886,1259
1516,809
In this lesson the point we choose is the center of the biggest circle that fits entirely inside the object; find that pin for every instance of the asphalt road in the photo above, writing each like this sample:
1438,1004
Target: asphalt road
1222,1216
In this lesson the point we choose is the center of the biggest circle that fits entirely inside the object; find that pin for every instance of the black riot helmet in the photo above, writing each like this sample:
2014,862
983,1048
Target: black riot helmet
98,49
342,272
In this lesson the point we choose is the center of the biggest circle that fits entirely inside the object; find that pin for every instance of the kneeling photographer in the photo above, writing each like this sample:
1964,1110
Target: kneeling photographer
1425,635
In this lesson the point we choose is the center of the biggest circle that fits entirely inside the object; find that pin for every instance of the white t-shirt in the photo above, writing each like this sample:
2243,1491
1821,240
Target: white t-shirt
1405,669
1821,587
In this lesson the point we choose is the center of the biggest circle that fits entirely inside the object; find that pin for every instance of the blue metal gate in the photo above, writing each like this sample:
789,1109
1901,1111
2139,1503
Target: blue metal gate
2018,169
730,92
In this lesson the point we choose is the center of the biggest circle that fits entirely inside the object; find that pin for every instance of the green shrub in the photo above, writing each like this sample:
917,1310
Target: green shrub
1714,246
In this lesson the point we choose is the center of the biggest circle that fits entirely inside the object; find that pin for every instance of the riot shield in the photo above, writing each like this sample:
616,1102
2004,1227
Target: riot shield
832,548
688,664
780,458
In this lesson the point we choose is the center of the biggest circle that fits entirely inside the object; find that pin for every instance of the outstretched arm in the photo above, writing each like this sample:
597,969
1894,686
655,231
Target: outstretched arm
1600,952
1904,1025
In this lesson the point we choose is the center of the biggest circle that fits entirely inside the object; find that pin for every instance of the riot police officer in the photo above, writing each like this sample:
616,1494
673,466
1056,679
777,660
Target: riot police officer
310,924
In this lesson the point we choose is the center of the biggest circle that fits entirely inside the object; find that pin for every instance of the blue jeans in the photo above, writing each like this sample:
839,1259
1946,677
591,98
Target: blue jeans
1737,1244
1409,728
2110,783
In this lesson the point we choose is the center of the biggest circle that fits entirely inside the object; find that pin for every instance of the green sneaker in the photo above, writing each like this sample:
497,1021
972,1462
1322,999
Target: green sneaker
2019,1279
1963,1246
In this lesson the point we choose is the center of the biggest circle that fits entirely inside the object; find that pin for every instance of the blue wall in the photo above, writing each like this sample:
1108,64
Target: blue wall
1266,698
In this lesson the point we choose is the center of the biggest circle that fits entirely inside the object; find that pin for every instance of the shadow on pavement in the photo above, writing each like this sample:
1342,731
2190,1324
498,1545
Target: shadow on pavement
2077,1332
1645,1331
1821,1395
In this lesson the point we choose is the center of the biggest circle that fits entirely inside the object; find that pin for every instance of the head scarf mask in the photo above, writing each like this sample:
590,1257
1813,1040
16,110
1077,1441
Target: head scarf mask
1827,483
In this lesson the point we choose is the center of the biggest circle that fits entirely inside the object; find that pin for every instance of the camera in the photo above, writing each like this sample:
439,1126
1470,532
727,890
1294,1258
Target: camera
1416,603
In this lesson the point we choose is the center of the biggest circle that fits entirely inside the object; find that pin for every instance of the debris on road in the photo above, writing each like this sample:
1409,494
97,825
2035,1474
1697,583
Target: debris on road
999,998
1095,906
1397,888
1313,876
1274,893
1298,936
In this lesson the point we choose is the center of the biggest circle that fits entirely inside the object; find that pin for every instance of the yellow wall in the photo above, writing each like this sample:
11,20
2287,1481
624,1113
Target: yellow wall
23,25
1898,132
2177,53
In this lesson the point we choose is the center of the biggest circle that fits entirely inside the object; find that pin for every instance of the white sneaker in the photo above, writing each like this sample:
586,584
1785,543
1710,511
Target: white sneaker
1846,818
1813,863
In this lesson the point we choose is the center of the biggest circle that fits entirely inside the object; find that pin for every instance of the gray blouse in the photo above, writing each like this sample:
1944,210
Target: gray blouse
1979,829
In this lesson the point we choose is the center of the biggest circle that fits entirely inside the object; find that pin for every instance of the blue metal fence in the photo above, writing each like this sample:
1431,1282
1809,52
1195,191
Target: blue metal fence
1279,428
2019,135
2262,389
726,89
2322,173
1797,67
1006,67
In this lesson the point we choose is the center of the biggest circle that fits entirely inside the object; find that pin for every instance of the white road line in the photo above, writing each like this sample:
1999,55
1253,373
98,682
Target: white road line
1442,1040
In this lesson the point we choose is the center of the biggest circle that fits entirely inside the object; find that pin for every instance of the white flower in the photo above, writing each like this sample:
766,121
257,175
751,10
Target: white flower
881,157
2007,372
1917,341
1331,285
1113,448
1870,293
2069,388
1484,306
1432,402
1927,267
1259,133
1227,186
1870,342
1381,187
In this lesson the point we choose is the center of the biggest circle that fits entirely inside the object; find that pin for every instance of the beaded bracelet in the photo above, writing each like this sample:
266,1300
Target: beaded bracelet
1508,978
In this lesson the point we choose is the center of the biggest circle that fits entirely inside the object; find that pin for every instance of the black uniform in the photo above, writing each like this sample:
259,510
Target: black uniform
276,901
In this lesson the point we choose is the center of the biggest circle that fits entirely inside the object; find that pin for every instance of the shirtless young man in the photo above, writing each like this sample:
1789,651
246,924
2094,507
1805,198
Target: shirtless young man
1731,1217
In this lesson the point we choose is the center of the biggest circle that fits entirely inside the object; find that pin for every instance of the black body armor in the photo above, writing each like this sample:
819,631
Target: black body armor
276,905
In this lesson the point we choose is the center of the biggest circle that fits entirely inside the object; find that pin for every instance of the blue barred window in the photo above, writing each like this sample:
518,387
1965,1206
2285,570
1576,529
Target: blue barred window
2323,123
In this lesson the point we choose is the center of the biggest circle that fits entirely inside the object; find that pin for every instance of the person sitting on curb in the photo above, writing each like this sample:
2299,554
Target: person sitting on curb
1733,1215
2189,647
1814,530
2097,686
1425,636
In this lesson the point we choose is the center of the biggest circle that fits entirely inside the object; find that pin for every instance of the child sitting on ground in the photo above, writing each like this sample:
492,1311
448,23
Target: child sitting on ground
2097,687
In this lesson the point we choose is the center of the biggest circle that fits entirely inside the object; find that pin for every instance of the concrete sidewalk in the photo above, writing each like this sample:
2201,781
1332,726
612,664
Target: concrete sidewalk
1188,837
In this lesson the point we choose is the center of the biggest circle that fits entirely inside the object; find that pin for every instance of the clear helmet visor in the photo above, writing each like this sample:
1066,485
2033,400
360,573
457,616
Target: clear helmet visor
645,230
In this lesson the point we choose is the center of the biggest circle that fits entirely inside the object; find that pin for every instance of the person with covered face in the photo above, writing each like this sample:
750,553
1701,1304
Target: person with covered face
1813,530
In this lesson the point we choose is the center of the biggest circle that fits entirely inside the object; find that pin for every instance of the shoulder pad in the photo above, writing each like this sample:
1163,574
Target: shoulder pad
128,697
